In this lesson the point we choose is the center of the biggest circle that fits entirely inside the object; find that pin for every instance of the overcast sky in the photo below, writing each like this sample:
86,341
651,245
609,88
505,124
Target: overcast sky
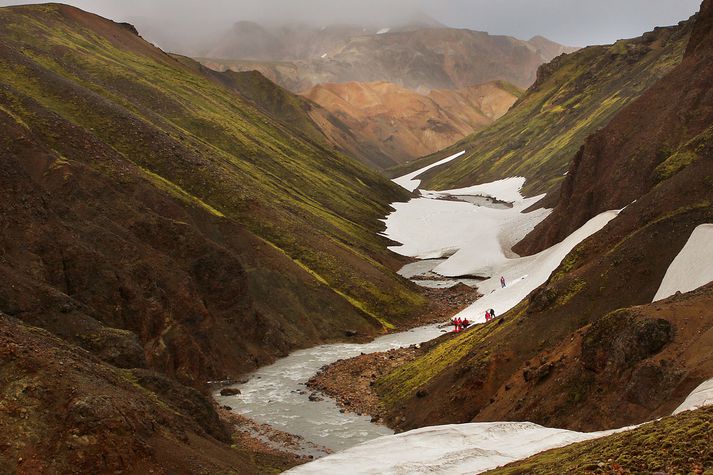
571,22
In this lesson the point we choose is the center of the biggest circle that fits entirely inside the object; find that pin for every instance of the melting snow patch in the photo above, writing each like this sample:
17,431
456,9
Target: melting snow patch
452,449
525,274
465,448
383,30
477,240
700,397
692,267
410,183
507,189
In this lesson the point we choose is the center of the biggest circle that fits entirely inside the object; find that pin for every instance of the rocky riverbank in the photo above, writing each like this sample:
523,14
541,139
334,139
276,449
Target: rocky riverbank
267,442
351,381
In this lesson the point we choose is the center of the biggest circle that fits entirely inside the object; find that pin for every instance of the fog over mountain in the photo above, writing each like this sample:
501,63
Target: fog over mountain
568,22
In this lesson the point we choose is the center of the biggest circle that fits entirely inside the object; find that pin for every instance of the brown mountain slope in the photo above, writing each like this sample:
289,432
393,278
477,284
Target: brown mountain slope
403,124
155,217
588,350
418,58
64,411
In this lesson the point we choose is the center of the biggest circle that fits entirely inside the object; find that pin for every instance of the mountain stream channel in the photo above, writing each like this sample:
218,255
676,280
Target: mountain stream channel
277,395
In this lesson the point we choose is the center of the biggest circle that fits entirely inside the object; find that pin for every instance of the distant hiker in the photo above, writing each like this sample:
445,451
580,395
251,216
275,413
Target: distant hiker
458,322
502,281
487,316
492,314
465,323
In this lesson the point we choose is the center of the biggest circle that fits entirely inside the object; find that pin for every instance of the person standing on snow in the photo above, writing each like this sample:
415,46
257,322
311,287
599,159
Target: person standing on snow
502,281
492,314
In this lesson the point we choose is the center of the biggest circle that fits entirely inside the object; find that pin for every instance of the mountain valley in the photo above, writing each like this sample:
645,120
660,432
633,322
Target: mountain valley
281,248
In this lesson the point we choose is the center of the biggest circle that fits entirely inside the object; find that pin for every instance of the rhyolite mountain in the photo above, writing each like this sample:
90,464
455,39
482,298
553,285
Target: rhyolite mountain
394,124
402,92
162,216
588,350
574,95
418,56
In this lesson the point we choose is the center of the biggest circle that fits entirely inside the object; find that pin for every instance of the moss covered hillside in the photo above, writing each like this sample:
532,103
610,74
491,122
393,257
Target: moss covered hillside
676,444
573,96
155,196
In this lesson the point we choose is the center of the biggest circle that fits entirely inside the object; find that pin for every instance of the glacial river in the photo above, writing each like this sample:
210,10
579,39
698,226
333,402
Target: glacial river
276,394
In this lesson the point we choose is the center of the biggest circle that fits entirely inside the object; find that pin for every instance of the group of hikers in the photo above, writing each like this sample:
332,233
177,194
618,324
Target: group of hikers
489,315
460,324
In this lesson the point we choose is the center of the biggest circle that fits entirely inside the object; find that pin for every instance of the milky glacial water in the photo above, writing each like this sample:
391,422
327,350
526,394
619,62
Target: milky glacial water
420,271
276,394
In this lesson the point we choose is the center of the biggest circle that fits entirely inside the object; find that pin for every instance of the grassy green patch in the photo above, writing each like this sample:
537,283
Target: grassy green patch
676,444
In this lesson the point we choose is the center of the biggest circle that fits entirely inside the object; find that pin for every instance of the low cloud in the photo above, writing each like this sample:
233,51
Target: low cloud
571,22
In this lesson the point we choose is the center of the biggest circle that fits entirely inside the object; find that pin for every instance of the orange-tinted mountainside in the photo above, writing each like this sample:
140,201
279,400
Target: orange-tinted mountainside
588,350
400,124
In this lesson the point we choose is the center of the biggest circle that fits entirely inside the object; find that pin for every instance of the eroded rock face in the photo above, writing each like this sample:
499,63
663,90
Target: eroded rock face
404,124
65,411
621,340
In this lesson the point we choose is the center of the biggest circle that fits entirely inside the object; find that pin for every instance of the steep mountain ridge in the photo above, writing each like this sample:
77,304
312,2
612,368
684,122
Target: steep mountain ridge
420,58
665,130
401,124
588,350
153,214
573,96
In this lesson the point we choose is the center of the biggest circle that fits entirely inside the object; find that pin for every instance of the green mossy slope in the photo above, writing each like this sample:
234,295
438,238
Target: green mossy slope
573,96
676,444
203,141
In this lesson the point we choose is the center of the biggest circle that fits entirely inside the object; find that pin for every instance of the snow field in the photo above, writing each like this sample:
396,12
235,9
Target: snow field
692,267
477,240
409,181
700,397
464,448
